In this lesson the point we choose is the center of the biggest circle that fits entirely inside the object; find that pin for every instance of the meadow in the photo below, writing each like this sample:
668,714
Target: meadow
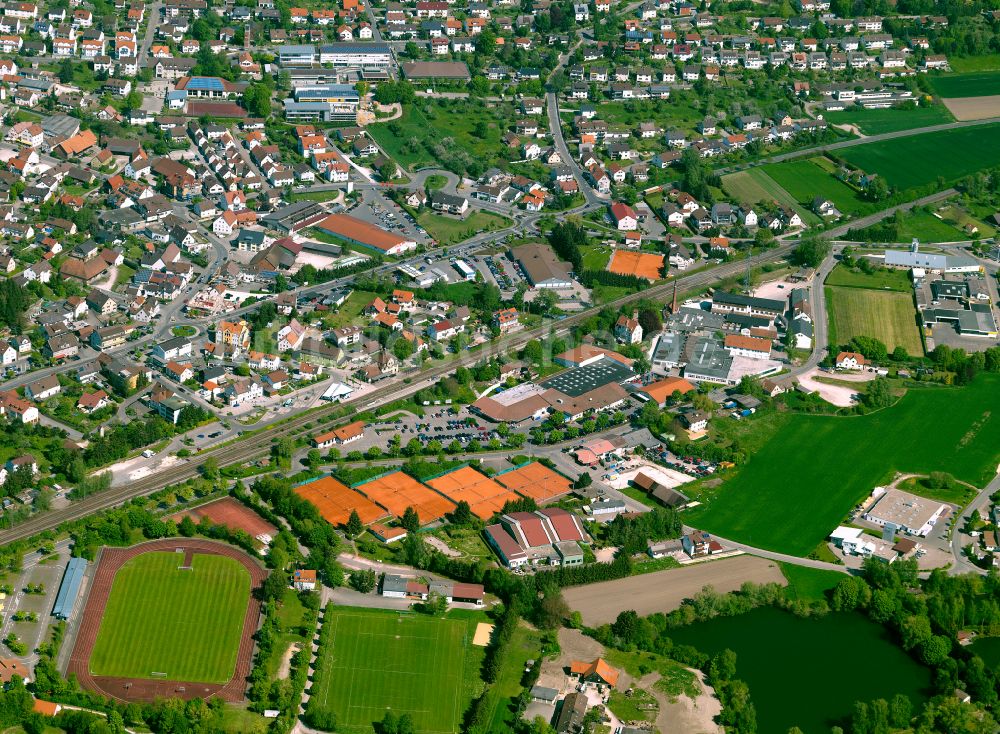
971,84
881,279
447,229
800,484
185,624
754,185
805,179
918,160
885,315
875,122
403,662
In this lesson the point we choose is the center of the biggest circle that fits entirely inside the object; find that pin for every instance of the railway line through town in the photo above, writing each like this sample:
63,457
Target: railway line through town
258,444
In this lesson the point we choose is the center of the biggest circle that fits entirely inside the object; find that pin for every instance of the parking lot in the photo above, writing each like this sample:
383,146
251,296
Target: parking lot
440,425
386,214
42,579
500,270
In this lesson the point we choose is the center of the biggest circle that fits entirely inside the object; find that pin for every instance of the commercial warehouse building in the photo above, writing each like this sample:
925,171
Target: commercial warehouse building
541,266
363,55
906,512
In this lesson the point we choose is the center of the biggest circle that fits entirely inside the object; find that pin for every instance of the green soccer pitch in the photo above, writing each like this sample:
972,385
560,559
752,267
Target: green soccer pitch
163,621
405,663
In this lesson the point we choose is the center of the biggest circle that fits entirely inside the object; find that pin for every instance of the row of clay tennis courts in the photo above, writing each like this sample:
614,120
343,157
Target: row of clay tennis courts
390,494
640,264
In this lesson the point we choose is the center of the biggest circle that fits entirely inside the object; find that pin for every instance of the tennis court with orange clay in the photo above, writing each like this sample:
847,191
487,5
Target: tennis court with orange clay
397,491
485,497
640,264
232,513
535,481
335,501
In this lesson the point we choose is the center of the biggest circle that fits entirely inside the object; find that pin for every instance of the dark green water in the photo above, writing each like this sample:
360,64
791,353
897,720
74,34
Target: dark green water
809,672
988,648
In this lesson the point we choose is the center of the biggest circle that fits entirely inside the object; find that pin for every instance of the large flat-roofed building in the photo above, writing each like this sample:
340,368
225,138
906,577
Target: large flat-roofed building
436,70
326,93
363,55
976,320
587,354
320,111
367,235
541,266
907,512
297,55
518,404
931,261
294,216
580,380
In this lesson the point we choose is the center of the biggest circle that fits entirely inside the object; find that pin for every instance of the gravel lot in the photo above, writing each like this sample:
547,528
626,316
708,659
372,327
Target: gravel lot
665,590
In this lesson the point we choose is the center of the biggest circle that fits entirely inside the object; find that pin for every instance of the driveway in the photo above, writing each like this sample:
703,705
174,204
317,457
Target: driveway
838,395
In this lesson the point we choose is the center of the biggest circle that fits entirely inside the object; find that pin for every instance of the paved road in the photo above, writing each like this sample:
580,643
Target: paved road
959,539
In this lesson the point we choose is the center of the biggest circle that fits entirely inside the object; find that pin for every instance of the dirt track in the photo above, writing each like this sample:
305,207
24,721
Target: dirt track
135,689
665,590
974,108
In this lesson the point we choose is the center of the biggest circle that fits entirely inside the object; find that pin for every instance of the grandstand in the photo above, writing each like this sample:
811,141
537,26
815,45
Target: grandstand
535,481
485,497
397,491
335,501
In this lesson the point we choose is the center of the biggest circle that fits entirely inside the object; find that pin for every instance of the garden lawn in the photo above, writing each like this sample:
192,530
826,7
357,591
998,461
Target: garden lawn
185,624
885,315
918,160
972,84
349,310
893,280
402,662
449,230
796,488
806,179
875,122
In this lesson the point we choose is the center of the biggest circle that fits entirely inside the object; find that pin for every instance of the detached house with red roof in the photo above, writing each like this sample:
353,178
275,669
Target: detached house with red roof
624,216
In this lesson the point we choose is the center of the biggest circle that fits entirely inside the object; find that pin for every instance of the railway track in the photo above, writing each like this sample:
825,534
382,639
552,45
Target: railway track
258,445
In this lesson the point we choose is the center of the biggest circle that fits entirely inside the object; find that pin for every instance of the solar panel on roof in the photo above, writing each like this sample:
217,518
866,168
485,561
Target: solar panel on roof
210,83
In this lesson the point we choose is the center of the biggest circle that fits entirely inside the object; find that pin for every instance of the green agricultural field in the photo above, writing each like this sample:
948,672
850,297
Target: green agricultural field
403,662
885,315
753,186
918,160
805,179
185,624
882,279
964,64
875,122
798,486
973,84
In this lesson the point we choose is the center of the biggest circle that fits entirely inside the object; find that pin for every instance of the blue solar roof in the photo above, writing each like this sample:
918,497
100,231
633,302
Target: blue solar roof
211,83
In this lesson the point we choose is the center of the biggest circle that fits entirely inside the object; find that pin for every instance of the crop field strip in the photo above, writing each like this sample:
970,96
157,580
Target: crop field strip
971,84
164,621
404,663
919,160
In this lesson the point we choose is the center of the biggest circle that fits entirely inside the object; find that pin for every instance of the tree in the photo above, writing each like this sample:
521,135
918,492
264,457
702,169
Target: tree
462,514
354,525
552,609
410,520
811,251
935,650
879,394
900,711
258,100
363,580
402,349
583,481
274,586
